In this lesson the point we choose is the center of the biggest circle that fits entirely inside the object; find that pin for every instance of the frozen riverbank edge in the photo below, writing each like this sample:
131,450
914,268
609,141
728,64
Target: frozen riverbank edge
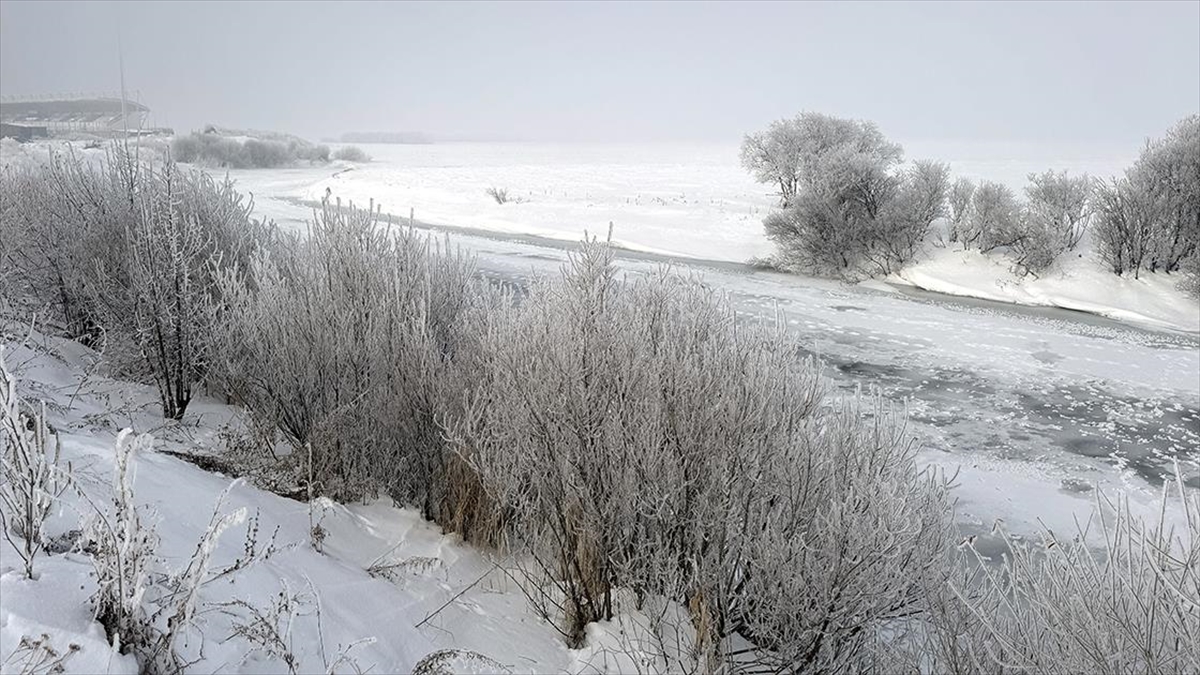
1078,285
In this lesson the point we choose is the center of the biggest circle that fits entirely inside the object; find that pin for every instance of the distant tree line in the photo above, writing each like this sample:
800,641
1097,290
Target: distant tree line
850,209
215,149
396,137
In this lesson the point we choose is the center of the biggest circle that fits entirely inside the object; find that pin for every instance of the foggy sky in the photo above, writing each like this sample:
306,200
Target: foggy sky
1076,72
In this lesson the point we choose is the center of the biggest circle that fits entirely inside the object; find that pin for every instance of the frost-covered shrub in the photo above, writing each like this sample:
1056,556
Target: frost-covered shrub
13,189
126,250
210,149
1053,219
351,153
349,342
500,195
995,218
122,546
1060,204
30,477
145,609
67,220
851,534
1037,249
266,154
270,632
181,226
187,149
639,436
812,236
1127,603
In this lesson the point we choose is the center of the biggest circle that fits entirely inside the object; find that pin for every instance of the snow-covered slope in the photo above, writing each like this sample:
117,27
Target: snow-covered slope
438,593
1078,281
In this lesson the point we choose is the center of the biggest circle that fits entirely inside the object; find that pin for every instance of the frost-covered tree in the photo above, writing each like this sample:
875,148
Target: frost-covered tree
1169,169
773,157
791,153
1190,267
1126,213
995,220
850,210
960,205
1060,204
1149,220
894,236
1053,219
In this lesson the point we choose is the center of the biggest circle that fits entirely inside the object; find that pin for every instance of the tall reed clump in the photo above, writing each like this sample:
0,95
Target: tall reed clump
1120,595
31,475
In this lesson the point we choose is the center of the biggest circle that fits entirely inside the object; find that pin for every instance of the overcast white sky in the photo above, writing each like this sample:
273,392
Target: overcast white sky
1100,72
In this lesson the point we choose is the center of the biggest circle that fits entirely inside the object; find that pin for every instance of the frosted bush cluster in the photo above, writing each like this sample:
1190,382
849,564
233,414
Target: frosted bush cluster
848,211
1149,220
125,254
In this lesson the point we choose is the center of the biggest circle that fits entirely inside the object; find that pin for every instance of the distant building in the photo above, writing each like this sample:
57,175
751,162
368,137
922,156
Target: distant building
95,115
21,133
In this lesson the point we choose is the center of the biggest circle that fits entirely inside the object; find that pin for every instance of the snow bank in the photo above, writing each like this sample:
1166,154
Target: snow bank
1078,281
340,603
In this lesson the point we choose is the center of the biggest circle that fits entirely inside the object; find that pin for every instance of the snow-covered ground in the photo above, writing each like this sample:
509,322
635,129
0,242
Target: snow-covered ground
691,200
1035,407
438,594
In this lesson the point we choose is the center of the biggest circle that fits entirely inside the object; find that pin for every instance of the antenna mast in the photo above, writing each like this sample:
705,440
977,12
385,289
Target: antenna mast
121,65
